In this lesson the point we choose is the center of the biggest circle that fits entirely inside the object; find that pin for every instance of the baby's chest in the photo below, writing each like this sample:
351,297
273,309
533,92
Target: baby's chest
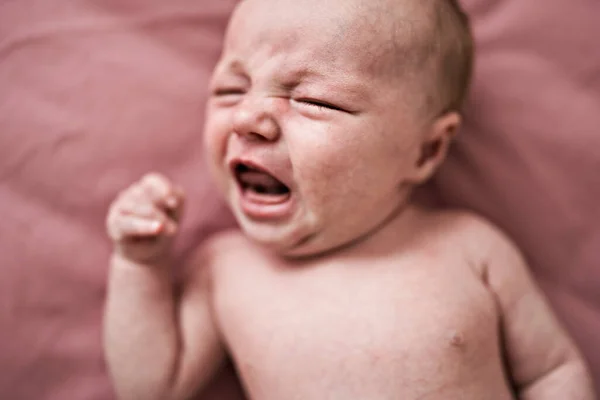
372,329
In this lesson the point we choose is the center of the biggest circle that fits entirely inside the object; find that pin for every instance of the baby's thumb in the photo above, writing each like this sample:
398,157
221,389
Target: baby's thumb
175,204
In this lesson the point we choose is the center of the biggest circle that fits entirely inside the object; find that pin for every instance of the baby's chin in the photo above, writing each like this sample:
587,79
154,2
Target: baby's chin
291,244
286,241
273,238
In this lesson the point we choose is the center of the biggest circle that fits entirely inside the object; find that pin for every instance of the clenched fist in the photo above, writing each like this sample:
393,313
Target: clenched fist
144,218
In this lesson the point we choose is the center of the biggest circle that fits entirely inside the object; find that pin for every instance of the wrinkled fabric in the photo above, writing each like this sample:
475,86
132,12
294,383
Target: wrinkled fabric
93,94
529,156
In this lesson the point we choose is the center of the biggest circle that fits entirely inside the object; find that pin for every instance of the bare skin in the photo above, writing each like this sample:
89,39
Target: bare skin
421,316
450,290
339,286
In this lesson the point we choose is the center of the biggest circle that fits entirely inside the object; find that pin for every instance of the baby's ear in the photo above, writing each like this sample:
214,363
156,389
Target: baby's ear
434,146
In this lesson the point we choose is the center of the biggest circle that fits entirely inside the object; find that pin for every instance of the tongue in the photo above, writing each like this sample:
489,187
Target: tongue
262,183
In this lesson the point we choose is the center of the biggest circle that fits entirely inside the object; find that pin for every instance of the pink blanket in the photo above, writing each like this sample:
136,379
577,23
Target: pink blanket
93,93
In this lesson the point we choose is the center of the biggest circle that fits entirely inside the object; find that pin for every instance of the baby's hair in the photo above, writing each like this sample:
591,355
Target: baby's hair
434,48
455,53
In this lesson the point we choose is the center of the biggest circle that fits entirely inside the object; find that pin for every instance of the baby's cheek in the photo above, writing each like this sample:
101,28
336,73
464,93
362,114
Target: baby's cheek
216,132
328,159
332,178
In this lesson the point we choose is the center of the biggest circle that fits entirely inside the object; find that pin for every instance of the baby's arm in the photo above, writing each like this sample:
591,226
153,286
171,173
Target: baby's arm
158,345
543,361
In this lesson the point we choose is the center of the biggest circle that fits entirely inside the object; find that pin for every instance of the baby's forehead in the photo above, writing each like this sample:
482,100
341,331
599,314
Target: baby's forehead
377,33
357,18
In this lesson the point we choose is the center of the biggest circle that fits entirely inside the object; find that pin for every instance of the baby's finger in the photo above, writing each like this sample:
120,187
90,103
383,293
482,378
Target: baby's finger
176,206
128,226
140,208
161,191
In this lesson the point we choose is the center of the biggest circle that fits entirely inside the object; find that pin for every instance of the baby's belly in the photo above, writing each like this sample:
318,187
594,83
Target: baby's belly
297,388
364,339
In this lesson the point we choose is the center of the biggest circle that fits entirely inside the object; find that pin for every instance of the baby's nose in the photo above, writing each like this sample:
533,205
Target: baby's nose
255,119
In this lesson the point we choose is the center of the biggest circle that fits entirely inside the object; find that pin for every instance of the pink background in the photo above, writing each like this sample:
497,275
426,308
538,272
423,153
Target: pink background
93,93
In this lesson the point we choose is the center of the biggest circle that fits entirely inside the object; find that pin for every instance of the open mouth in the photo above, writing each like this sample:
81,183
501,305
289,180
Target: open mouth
259,185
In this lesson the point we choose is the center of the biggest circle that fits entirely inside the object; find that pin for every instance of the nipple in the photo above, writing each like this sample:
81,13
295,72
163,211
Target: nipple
456,339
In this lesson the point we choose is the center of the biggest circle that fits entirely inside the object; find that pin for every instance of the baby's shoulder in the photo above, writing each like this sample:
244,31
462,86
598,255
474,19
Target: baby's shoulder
481,241
222,251
465,226
226,238
228,244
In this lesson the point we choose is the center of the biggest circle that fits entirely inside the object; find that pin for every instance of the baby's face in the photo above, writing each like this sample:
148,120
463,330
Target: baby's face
308,137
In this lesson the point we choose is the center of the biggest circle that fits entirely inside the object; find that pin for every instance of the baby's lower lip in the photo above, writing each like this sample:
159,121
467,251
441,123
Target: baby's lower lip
266,199
265,206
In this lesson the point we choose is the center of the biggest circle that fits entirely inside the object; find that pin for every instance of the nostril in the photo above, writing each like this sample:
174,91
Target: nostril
255,124
257,137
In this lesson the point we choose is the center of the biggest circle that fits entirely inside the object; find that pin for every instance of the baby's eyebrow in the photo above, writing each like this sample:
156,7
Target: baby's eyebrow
352,93
321,82
233,65
327,80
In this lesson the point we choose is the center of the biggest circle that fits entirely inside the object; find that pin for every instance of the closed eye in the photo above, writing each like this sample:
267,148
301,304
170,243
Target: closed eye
228,92
321,104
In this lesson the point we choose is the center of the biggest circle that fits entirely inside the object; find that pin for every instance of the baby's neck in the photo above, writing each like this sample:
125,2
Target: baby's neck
386,236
